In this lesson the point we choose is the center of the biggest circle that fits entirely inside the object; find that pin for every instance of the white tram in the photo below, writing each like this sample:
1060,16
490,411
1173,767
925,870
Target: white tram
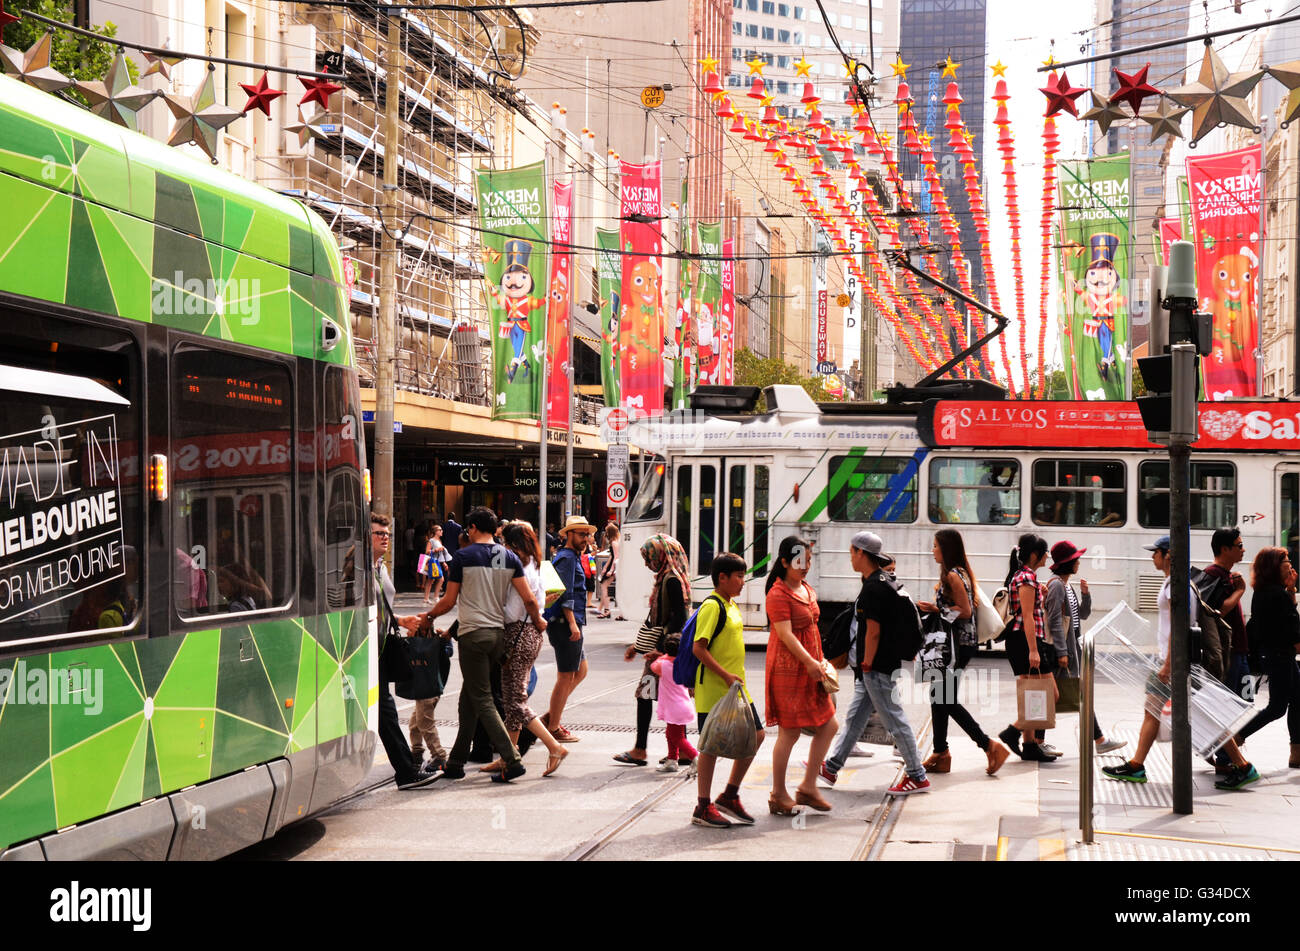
720,480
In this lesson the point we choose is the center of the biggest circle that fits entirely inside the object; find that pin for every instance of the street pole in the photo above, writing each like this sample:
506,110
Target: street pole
1180,664
386,330
568,388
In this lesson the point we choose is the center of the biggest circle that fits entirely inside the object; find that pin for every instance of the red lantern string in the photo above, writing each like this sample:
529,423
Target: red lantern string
1051,144
1006,144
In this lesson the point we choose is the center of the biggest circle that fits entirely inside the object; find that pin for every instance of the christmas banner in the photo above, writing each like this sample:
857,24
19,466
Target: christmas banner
727,316
682,325
512,212
1227,192
708,292
1171,230
1095,199
558,305
640,324
609,273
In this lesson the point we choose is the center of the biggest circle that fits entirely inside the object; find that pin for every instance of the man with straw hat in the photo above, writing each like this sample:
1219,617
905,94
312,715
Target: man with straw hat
566,619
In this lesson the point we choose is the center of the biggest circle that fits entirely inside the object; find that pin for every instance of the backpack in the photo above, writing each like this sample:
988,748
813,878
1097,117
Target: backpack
838,638
686,665
905,627
1215,641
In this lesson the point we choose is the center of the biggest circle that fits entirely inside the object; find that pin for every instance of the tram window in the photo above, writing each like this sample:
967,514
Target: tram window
232,481
682,528
709,523
69,480
760,516
872,489
974,491
344,512
1078,492
648,505
1214,494
736,511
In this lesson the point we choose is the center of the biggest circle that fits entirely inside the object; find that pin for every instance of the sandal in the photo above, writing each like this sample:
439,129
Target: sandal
626,760
814,800
554,760
780,807
496,766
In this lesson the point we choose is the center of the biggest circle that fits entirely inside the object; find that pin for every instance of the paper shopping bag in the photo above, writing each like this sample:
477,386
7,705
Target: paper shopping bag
1035,702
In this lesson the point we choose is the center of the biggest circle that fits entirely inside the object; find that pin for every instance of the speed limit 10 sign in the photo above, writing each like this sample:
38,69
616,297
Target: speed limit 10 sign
616,494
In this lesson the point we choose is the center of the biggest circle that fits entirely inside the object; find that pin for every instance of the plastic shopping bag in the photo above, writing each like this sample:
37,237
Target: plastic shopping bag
729,730
551,583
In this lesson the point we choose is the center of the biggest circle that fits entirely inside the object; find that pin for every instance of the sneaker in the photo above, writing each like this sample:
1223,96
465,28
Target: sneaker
1240,776
732,807
1050,750
453,771
1010,738
1126,772
512,771
826,776
667,766
909,786
433,767
1110,746
1033,753
416,780
710,817
859,751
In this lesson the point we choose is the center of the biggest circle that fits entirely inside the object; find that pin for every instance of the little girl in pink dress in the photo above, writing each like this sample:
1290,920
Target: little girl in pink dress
676,709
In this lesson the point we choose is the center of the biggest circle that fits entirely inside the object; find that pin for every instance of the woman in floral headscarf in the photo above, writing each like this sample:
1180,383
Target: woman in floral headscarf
664,556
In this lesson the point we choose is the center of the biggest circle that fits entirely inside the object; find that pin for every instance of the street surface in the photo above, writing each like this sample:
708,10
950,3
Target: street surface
595,809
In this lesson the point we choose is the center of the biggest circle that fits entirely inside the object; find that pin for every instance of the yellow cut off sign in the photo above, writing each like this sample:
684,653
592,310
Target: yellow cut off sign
652,97
844,300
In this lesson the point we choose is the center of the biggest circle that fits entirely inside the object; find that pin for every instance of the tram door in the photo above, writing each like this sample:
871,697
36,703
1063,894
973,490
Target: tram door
696,518
746,504
1288,509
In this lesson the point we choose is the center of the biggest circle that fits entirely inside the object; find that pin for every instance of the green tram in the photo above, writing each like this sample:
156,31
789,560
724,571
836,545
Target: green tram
186,659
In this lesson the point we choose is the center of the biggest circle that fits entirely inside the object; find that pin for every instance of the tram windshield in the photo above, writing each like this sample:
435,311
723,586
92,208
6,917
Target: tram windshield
648,504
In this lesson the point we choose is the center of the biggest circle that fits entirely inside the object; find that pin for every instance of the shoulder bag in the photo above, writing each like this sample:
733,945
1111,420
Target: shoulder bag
650,637
430,665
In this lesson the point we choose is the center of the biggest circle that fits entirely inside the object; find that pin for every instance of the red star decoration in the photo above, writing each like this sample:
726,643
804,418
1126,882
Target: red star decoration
318,89
1061,95
261,95
1134,88
6,18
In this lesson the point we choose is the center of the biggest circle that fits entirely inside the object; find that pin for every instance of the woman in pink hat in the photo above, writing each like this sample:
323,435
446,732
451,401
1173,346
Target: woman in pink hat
1065,610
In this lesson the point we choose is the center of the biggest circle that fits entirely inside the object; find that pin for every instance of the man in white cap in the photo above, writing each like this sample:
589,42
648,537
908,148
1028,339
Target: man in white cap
566,619
874,658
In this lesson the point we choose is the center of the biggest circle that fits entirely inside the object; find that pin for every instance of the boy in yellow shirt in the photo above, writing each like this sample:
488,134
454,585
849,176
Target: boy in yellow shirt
720,650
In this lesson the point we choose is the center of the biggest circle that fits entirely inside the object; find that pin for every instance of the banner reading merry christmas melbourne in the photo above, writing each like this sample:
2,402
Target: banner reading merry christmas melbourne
609,272
557,308
708,293
512,211
640,321
727,316
1095,199
1226,192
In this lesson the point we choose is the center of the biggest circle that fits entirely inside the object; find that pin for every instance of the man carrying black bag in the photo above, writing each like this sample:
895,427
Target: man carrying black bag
405,773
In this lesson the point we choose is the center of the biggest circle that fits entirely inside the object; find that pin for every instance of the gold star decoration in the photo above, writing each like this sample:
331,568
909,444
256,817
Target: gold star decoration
709,64
999,69
160,64
1218,96
1050,61
899,67
1104,112
1166,120
765,101
311,128
199,117
802,67
756,66
949,68
850,67
1288,74
114,97
33,67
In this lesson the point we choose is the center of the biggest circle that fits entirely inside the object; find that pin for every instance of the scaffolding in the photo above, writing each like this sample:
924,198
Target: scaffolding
450,106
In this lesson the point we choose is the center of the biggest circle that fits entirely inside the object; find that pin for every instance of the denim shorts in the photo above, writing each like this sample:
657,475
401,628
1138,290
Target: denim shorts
568,654
758,721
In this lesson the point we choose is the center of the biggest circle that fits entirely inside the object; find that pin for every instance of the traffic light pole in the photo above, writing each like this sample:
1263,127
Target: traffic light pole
1180,663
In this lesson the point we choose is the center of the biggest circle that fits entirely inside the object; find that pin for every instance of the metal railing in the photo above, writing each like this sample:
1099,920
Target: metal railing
1087,677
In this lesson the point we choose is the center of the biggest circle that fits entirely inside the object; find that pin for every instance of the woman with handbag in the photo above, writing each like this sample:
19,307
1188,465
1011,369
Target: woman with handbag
798,680
1028,651
665,556
523,642
954,601
608,570
1065,611
437,555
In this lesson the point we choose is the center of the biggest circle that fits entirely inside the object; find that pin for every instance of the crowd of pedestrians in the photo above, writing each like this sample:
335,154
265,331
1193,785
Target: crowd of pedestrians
508,593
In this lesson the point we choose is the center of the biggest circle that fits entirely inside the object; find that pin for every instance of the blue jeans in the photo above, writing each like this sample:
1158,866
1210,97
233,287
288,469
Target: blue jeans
875,691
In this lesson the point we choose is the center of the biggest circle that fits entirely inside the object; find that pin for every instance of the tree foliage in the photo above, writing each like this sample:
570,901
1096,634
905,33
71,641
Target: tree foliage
75,56
753,370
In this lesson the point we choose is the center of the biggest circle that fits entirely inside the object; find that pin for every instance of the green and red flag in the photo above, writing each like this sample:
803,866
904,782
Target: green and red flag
558,305
641,315
609,275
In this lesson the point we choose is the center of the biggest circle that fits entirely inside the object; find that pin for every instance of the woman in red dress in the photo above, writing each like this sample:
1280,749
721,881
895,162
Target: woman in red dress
794,695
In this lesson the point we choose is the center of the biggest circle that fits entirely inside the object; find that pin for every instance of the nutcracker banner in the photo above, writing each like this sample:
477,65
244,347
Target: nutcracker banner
609,274
1171,230
640,323
708,292
1226,194
682,324
727,316
1095,197
558,305
512,213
